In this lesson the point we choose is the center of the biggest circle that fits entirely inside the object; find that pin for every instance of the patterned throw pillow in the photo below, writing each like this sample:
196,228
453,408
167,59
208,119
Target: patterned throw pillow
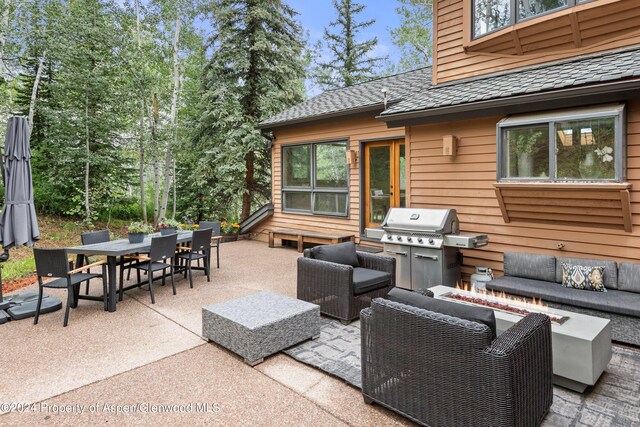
586,277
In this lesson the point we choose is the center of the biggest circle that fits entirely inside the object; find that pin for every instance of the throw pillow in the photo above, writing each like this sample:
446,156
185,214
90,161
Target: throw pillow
585,277
341,253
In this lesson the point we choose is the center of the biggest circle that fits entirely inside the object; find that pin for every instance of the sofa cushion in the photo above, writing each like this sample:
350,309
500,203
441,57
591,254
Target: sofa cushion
530,266
610,269
613,301
341,253
481,315
588,278
366,280
629,277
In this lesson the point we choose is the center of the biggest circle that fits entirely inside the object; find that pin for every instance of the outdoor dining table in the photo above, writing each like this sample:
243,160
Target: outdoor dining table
112,250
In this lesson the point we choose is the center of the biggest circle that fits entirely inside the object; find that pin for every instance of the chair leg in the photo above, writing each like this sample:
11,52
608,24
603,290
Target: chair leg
105,297
150,276
218,254
164,277
120,296
184,271
138,273
35,321
207,261
173,281
190,275
86,259
69,303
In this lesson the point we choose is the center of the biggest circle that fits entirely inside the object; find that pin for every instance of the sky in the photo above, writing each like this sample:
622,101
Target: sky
315,15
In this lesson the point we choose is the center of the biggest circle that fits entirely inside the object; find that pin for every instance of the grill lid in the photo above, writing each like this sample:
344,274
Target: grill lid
441,221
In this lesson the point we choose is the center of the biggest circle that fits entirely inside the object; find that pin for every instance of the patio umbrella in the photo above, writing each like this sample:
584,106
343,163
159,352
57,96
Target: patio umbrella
18,223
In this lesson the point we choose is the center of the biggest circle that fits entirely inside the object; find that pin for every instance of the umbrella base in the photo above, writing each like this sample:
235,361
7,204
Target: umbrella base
4,317
24,305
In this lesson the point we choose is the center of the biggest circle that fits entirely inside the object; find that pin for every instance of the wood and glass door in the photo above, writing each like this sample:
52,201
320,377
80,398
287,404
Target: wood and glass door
384,177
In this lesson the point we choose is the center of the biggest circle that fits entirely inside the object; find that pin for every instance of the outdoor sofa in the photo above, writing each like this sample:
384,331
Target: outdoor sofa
538,275
342,281
446,370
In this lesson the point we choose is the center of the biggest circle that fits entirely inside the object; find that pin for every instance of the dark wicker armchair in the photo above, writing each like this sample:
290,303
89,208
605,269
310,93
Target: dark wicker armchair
341,290
440,370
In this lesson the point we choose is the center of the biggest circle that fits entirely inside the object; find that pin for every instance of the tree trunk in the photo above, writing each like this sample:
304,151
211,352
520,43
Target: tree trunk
168,159
156,169
34,90
249,184
87,215
143,108
175,192
4,29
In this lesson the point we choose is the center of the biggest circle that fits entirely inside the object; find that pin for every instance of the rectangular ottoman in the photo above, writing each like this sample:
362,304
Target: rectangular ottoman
261,324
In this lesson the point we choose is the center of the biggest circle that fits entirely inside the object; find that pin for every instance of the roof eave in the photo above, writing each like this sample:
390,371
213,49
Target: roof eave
269,127
441,114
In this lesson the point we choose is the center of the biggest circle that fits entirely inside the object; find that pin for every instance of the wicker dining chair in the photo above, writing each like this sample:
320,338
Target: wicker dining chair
161,257
216,237
54,263
200,249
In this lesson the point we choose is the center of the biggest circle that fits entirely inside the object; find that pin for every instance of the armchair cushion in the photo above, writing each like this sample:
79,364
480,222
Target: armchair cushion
341,253
480,315
366,280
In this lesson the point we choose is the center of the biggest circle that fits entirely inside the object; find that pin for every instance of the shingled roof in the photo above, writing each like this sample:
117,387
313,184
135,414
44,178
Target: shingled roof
548,77
354,98
411,93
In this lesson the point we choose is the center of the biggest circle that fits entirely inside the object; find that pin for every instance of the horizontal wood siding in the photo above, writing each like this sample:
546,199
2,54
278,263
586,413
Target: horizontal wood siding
600,29
353,131
466,184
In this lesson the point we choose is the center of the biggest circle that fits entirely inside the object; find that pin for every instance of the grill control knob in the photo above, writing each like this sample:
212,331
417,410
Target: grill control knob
431,241
419,239
399,238
409,239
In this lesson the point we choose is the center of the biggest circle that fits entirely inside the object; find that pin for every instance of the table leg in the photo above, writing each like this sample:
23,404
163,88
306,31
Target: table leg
113,283
76,289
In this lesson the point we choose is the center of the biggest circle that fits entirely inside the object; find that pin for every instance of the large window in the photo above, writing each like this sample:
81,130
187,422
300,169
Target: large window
492,15
576,145
315,178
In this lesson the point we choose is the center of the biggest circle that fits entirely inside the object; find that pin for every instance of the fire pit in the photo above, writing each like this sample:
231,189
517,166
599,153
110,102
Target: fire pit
503,302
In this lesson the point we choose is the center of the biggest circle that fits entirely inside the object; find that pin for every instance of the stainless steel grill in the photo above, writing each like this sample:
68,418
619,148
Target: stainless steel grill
426,244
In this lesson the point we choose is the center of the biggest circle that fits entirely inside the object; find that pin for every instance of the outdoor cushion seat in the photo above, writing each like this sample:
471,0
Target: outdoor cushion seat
613,301
61,283
155,266
191,255
366,280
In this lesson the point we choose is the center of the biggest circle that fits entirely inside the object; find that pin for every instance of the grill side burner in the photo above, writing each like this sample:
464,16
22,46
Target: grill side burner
425,244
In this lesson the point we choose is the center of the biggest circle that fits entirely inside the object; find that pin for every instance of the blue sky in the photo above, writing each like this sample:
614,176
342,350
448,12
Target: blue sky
315,15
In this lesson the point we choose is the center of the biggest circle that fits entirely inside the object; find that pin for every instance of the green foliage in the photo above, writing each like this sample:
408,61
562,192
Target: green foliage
350,61
413,35
255,71
139,227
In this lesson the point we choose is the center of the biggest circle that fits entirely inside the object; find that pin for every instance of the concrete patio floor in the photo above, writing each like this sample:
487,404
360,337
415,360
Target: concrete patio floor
146,355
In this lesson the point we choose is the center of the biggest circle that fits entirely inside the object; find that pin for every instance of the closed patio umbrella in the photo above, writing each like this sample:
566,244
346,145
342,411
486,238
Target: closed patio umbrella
18,223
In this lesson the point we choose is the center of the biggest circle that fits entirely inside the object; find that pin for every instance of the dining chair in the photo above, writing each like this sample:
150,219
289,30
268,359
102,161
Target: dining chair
54,263
103,236
161,257
216,237
200,249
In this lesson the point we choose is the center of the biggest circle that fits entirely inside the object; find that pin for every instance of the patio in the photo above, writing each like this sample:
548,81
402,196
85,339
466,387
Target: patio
154,355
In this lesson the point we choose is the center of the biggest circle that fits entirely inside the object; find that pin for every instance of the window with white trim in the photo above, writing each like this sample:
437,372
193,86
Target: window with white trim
315,178
566,146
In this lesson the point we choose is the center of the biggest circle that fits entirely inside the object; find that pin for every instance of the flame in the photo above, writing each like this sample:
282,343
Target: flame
502,297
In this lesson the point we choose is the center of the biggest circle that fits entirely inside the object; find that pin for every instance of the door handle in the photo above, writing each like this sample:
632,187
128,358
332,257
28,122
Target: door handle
396,253
432,257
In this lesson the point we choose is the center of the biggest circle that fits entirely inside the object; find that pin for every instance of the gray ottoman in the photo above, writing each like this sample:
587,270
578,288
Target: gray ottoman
261,324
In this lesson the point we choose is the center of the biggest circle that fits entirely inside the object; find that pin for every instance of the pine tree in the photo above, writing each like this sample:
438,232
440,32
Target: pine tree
256,70
350,61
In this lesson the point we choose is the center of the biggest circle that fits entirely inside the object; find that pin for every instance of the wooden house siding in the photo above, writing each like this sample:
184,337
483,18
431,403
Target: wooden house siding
466,184
354,131
604,25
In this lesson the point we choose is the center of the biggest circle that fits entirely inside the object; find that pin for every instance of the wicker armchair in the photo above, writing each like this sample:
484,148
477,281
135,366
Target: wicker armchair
332,286
440,370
